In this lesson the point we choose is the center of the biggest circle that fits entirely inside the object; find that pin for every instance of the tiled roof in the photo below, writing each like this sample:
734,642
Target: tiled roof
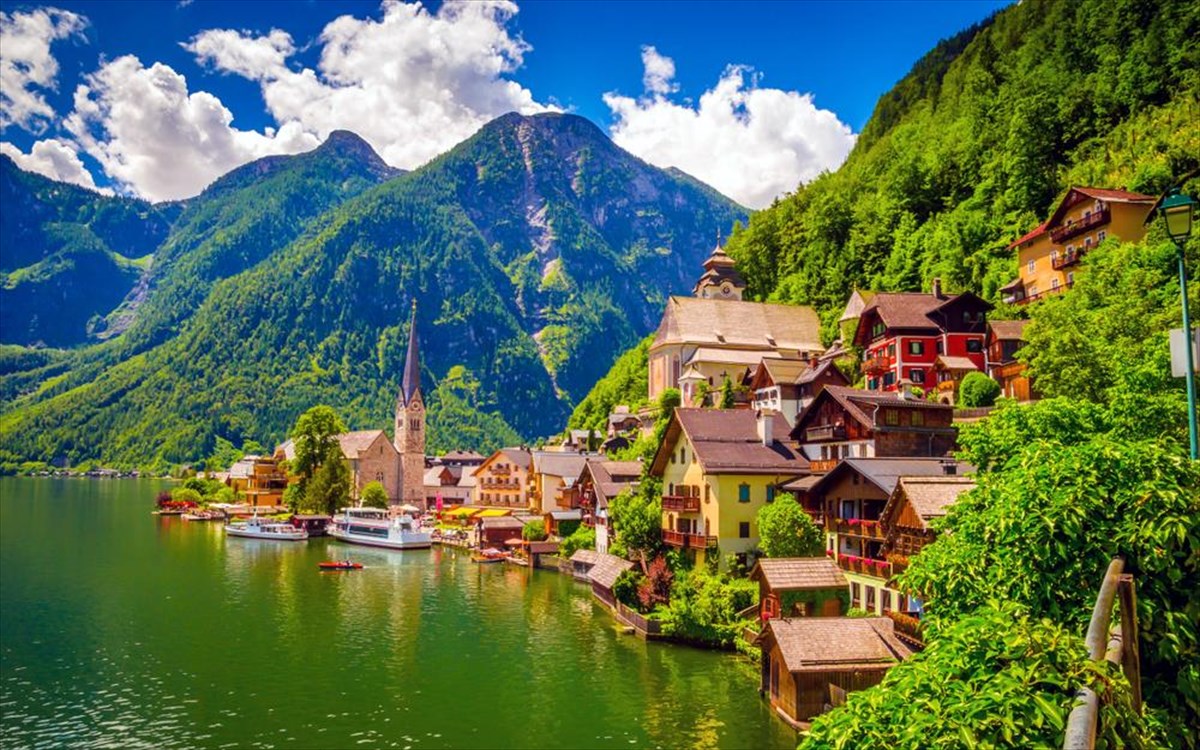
822,643
715,355
559,463
1012,285
1008,330
784,371
744,325
884,473
502,522
726,442
861,404
585,556
354,443
947,362
905,309
462,456
607,569
609,478
1035,232
799,573
1120,196
859,299
930,497
812,373
575,514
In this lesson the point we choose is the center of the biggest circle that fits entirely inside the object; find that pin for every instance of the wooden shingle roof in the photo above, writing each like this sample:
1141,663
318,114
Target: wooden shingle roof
799,573
607,569
810,644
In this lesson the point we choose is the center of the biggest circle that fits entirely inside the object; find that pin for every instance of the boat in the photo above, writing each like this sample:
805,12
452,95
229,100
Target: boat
203,515
339,565
376,527
489,555
261,528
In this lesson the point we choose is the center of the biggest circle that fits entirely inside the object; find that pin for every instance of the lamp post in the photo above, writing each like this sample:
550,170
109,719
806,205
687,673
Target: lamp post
1176,210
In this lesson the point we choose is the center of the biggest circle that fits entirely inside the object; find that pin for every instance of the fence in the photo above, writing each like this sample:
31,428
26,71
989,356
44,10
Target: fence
1118,645
645,627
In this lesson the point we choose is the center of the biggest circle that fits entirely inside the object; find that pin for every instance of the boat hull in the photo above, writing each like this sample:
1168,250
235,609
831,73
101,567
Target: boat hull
299,536
417,540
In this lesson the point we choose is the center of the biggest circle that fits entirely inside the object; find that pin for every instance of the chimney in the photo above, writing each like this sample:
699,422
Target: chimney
766,425
937,288
949,467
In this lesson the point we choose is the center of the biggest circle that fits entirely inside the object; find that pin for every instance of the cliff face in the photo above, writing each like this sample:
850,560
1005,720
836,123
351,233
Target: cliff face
536,250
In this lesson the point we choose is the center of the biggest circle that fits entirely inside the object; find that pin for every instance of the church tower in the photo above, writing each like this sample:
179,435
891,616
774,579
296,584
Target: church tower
721,279
410,424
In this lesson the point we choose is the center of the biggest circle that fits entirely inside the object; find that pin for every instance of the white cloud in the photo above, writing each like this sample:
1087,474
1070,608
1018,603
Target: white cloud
27,65
753,144
413,83
52,158
150,134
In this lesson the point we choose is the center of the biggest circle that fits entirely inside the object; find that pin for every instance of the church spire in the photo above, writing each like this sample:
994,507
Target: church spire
412,362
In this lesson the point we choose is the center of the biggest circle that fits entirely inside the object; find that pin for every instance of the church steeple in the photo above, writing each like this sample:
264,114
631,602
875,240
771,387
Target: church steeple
412,362
721,279
410,423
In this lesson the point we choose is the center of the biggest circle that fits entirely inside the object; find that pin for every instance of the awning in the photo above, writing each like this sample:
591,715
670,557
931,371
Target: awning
493,512
460,512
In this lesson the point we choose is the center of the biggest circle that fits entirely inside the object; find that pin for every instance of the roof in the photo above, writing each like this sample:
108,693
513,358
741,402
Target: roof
519,457
725,356
559,463
354,443
781,371
1117,196
799,573
860,404
801,484
585,556
607,568
609,478
859,299
433,476
412,362
955,363
885,472
929,497
462,456
812,373
1035,232
1007,330
726,441
502,522
824,643
1073,196
1013,285
575,514
734,323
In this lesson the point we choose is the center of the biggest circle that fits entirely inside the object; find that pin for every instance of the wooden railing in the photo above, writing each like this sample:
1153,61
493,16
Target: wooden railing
826,432
690,541
1097,218
1116,645
681,503
864,528
1067,258
865,566
674,538
907,626
823,465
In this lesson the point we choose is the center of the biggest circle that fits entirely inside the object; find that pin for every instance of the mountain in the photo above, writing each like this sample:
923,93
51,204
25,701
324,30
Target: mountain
971,148
68,255
536,251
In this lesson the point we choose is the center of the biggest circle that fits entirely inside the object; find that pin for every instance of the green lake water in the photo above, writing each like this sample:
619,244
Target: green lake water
122,629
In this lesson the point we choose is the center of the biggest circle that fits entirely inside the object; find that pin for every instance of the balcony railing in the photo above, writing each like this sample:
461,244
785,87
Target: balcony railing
860,527
866,566
690,541
1048,293
1097,218
876,364
899,563
823,465
1067,258
826,432
907,626
681,503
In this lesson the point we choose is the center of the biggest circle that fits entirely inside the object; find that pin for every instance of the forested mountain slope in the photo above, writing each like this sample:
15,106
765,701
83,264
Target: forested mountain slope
969,150
536,251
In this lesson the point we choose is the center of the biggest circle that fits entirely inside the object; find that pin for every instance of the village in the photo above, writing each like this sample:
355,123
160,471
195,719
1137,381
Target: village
747,410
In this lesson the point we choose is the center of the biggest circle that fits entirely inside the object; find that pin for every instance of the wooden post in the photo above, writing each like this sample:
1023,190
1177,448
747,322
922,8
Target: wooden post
1131,661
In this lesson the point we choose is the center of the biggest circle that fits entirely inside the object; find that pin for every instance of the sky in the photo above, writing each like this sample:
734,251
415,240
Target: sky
158,99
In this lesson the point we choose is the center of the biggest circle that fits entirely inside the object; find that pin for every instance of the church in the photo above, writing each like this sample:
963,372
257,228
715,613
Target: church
715,334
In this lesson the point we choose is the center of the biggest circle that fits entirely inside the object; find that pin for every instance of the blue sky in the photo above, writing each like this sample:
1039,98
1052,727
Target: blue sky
415,80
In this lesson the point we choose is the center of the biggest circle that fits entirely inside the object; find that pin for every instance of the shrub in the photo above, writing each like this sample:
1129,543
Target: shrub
374,495
584,537
534,531
656,588
785,530
704,607
186,495
625,588
977,389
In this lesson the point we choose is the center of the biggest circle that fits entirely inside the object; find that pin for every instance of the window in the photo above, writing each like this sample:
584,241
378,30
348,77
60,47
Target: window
891,350
706,492
1054,284
877,330
870,598
1033,291
683,455
1053,257
888,379
916,375
770,493
743,493
744,530
855,594
848,511
940,347
974,346
917,418
1101,235
891,416
1030,266
916,347
1070,278
1070,250
887,600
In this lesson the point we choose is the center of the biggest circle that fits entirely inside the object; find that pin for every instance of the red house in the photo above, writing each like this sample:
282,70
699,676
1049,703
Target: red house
915,336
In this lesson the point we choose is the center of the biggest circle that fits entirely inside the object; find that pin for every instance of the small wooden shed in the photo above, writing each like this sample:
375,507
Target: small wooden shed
800,587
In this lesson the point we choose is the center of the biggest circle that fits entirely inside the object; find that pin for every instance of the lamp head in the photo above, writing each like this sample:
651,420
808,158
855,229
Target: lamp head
1176,210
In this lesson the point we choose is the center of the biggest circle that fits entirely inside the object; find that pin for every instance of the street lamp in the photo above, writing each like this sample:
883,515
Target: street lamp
1176,210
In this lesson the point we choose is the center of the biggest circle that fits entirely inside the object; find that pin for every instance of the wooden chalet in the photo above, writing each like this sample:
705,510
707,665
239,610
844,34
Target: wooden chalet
809,664
1004,339
599,482
800,587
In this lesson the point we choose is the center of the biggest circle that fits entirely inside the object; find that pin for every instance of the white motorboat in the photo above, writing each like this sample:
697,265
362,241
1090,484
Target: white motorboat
377,527
261,528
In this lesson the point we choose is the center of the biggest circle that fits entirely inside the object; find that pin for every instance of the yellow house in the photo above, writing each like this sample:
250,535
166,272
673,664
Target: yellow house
1048,257
718,468
503,479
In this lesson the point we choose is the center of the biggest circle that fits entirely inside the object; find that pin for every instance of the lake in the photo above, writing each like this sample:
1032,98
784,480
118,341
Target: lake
123,629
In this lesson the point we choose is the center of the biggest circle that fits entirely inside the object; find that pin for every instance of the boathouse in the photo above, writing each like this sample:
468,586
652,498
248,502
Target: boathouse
604,574
809,664
800,587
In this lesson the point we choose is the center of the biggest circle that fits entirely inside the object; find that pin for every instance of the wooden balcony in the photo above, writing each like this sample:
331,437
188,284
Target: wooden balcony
825,432
688,541
907,627
865,566
899,563
1066,231
823,465
681,503
861,528
1042,295
1066,258
876,364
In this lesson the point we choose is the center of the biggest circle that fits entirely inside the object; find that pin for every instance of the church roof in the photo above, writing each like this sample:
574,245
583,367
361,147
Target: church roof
737,324
412,362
